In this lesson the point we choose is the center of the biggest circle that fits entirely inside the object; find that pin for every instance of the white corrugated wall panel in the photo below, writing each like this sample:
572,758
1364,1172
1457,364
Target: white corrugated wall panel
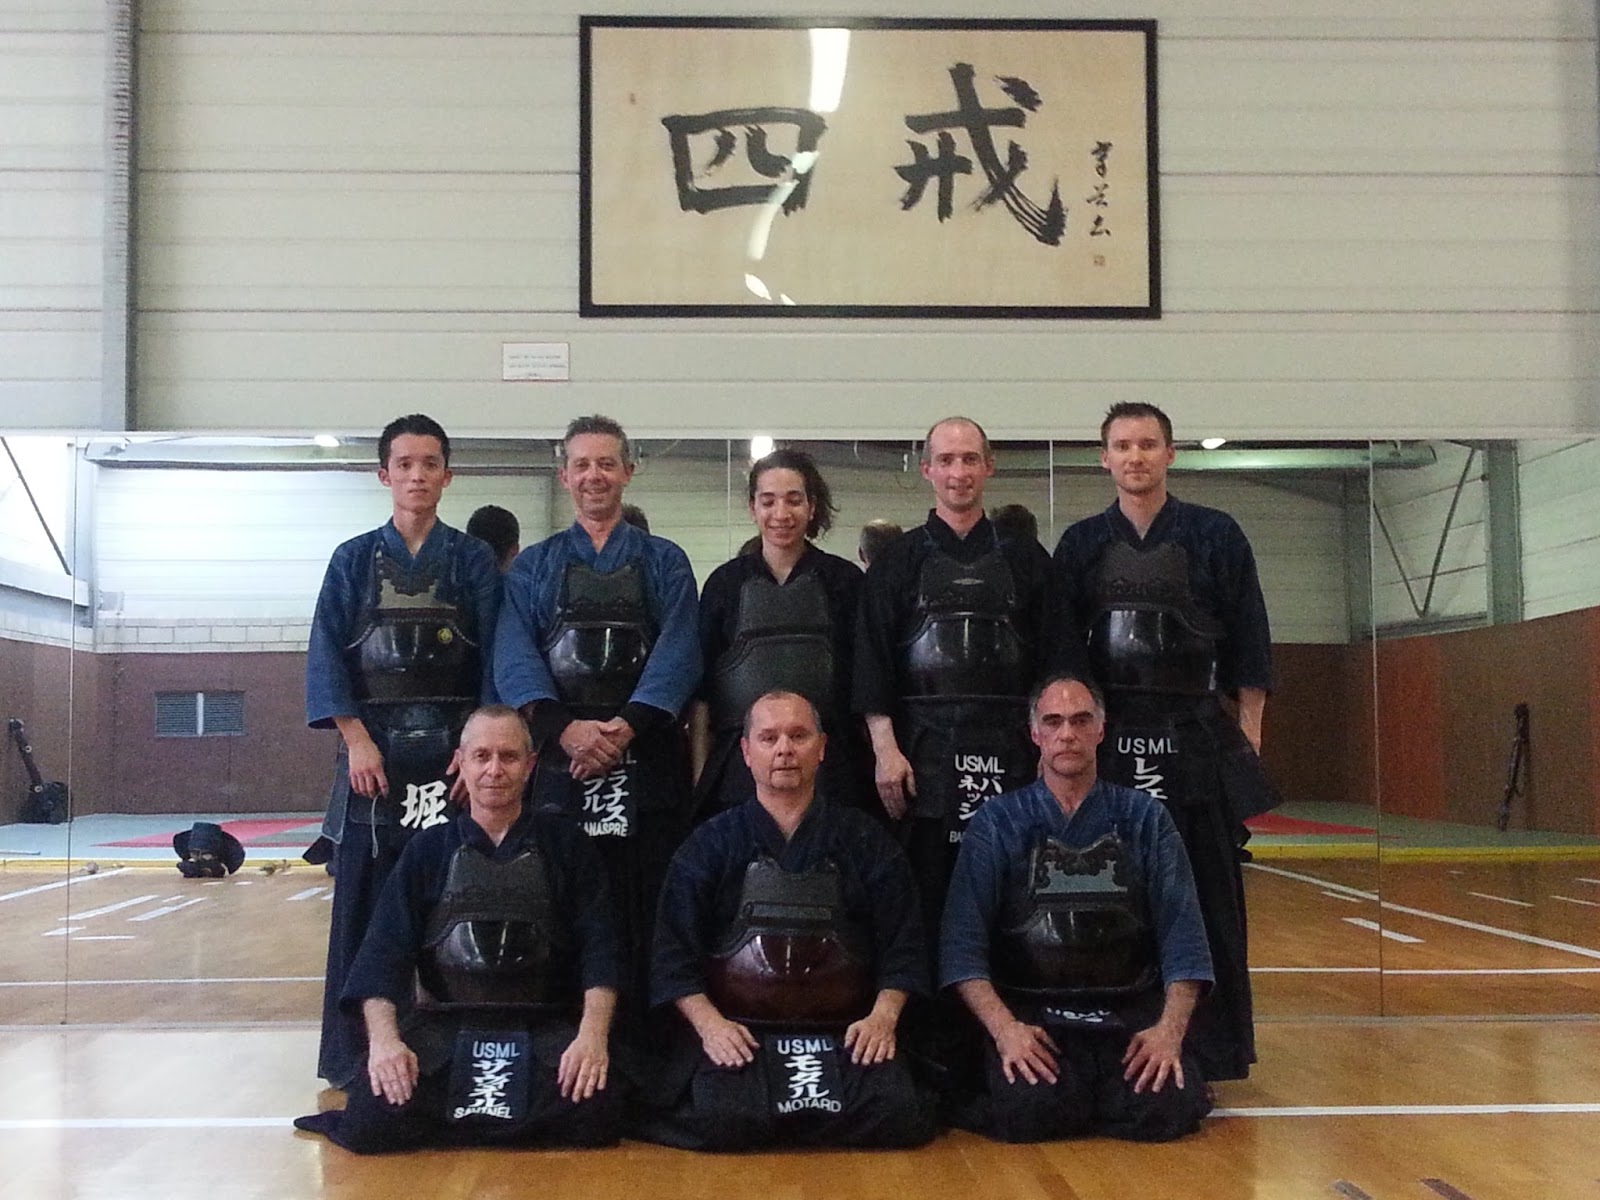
52,68
1416,184
1560,501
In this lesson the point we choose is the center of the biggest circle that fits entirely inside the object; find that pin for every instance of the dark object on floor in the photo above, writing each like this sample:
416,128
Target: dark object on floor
207,851
47,802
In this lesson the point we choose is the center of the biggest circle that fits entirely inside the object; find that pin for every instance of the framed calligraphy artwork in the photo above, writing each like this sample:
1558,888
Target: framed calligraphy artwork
735,167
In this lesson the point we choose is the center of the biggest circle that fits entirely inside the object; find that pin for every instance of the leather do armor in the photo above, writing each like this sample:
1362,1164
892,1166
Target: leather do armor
964,640
1149,633
791,957
600,639
782,641
1081,929
412,649
494,938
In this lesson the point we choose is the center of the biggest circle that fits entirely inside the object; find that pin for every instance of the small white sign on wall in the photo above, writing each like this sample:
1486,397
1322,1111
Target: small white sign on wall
537,362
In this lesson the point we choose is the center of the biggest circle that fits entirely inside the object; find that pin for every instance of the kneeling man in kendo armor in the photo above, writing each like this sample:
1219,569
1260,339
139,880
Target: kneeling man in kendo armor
1074,935
788,939
488,977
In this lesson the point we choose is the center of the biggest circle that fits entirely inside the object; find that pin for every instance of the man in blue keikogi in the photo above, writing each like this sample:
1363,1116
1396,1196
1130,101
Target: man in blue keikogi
1073,934
788,941
1177,636
600,651
500,918
396,661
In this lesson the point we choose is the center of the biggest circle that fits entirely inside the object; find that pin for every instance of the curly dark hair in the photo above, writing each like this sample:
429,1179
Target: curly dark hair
784,459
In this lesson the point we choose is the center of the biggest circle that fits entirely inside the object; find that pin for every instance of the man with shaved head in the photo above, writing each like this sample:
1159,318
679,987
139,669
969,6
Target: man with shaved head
788,941
499,920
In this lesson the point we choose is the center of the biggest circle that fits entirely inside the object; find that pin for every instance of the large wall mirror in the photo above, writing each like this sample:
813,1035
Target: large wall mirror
1486,577
156,593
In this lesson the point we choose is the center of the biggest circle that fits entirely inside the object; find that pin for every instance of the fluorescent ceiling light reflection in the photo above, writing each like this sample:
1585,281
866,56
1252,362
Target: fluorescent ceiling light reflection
757,288
830,50
1213,443
327,441
760,446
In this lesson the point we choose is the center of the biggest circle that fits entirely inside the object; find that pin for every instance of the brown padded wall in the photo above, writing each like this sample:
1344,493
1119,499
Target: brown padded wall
1317,741
1411,780
277,765
1548,663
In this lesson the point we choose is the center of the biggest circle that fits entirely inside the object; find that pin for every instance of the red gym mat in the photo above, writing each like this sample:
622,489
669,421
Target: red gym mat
1277,823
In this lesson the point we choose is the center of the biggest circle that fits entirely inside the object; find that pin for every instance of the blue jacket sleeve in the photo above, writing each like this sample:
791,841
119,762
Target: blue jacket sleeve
386,964
519,673
672,672
1180,929
973,902
329,692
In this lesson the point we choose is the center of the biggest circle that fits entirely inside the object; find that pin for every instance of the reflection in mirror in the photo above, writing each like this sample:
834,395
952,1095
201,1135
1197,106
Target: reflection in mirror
1313,866
42,607
200,564
1487,581
188,697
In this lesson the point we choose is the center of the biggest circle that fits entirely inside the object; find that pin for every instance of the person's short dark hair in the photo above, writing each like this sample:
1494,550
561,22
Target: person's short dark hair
418,424
634,515
1050,681
497,526
926,455
601,425
1136,409
875,535
1015,523
782,694
817,491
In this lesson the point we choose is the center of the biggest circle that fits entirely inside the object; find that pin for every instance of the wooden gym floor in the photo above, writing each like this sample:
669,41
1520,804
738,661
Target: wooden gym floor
171,1061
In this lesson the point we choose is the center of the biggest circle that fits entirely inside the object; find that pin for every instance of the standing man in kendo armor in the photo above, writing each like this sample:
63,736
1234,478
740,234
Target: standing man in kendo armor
500,917
781,614
397,659
788,941
956,624
1178,638
1074,935
599,651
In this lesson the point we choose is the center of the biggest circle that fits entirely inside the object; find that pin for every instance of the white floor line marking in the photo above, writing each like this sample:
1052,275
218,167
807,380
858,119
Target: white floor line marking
163,911
55,983
62,931
1324,970
61,883
307,894
1575,900
172,899
1363,923
1528,938
1493,971
1342,896
109,908
1579,879
1426,970
1501,899
106,937
1405,1110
